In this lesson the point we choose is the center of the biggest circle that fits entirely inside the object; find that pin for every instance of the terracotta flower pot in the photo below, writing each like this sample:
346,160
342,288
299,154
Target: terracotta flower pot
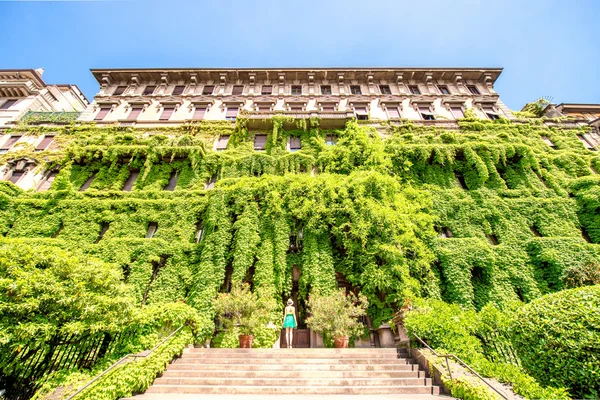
341,342
246,341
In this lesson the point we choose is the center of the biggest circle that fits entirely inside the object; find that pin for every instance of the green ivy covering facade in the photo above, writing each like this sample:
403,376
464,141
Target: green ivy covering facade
487,213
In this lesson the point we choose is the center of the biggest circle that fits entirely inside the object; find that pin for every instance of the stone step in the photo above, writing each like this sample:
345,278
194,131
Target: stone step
178,381
181,364
280,354
177,396
292,390
189,359
368,350
291,374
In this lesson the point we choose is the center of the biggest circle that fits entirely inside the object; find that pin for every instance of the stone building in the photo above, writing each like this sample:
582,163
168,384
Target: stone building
582,114
25,95
24,90
159,97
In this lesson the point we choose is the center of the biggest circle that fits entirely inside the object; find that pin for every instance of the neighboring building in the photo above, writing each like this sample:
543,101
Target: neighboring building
24,90
581,114
24,94
159,97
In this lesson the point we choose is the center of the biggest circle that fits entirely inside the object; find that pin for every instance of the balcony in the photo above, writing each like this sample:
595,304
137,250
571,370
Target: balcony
55,118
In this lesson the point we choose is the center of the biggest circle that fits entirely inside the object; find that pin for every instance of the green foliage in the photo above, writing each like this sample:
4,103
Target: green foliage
136,376
51,292
336,313
449,329
557,338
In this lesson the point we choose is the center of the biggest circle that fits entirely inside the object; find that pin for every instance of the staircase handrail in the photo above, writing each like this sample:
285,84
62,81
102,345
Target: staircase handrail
135,357
461,362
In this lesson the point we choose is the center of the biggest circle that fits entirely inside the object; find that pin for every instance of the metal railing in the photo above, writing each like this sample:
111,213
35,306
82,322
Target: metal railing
461,362
135,357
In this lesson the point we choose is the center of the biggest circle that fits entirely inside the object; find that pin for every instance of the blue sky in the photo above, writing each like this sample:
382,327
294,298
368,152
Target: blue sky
546,47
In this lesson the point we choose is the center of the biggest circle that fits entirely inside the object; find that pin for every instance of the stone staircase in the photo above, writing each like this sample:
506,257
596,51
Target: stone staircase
301,372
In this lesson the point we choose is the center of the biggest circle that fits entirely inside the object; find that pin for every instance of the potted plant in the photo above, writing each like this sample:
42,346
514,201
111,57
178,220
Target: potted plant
242,309
336,315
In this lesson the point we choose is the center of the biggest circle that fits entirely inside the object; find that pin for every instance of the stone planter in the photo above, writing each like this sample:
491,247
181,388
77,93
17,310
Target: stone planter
402,339
386,337
341,343
246,341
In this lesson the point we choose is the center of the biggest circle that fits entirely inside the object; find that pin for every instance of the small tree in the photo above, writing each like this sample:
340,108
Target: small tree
337,314
242,309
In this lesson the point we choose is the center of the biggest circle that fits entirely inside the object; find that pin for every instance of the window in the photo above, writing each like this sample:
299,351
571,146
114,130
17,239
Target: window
296,90
10,142
260,142
178,90
135,112
493,239
414,89
361,112
426,113
87,183
210,184
119,90
152,228
491,114
237,90
385,89
549,142
295,106
473,89
222,142
328,107
585,142
103,229
231,113
199,231
266,89
264,106
355,89
48,182
330,140
148,90
325,89
44,143
461,180
102,113
133,175
15,176
208,89
199,112
8,104
393,112
457,112
172,181
443,89
445,232
166,113
295,144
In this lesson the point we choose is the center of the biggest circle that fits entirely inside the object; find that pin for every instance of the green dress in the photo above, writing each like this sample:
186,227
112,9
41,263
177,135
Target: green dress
289,321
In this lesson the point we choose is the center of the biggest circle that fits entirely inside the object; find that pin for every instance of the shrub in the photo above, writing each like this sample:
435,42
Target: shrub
585,274
557,338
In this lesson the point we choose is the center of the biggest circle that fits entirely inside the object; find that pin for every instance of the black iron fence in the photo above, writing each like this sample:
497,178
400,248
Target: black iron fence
21,370
497,347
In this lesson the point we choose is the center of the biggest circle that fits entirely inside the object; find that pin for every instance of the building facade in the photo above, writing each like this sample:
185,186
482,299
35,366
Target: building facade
24,90
152,97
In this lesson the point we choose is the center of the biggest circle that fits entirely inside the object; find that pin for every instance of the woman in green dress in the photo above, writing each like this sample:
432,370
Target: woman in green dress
289,322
